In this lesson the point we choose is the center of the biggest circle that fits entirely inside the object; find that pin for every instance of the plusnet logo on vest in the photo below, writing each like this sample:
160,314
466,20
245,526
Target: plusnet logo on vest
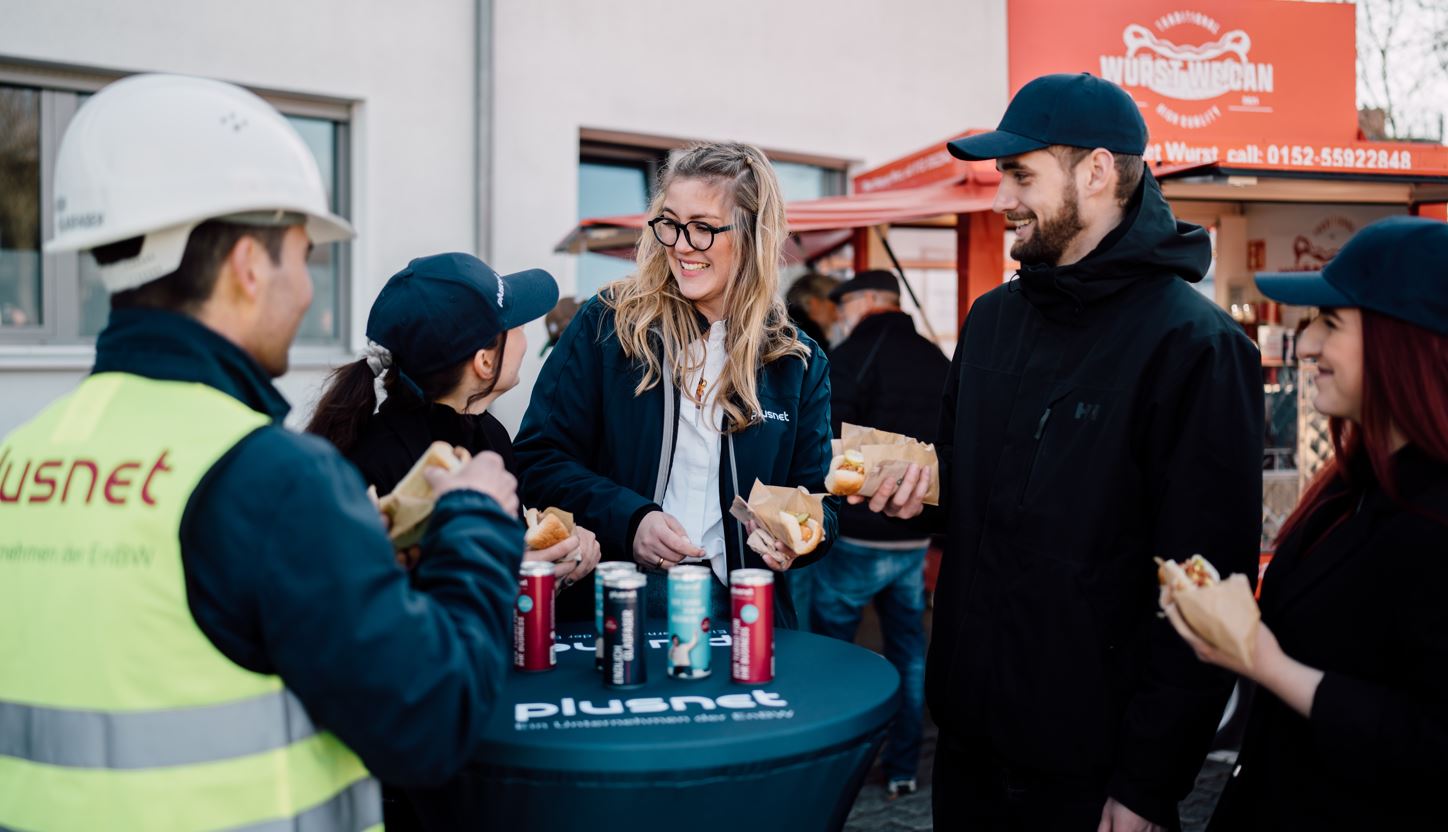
78,481
1159,58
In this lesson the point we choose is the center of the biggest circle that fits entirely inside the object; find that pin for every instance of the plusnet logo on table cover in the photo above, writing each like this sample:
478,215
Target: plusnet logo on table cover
570,707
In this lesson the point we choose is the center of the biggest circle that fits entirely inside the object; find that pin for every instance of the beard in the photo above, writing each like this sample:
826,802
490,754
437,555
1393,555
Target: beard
1052,235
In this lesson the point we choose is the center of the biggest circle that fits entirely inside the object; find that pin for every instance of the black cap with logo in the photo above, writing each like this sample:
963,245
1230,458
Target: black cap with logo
1397,267
444,308
1075,110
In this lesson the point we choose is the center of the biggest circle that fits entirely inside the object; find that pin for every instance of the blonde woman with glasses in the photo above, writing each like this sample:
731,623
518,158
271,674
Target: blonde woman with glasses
674,389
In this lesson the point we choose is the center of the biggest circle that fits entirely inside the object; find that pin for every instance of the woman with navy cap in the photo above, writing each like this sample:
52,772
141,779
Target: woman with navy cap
1349,725
674,389
445,340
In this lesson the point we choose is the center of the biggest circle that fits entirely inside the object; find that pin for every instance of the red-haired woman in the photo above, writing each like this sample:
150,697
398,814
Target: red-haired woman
1349,727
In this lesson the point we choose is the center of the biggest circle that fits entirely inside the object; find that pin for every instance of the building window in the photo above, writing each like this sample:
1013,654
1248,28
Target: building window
616,172
608,188
58,300
21,288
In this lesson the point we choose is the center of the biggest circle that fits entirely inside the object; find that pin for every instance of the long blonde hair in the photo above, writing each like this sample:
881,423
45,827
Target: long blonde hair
759,331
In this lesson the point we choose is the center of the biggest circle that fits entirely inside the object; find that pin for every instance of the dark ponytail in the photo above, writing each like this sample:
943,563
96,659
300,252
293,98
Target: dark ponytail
348,401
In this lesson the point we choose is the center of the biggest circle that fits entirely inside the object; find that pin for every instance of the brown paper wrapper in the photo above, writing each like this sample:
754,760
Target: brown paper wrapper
887,455
1225,615
410,503
765,504
409,518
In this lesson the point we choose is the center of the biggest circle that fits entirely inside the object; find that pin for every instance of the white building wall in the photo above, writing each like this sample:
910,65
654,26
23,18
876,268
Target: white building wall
409,68
864,80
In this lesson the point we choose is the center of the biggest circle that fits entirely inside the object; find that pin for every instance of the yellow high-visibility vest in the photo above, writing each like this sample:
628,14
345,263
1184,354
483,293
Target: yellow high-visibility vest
116,711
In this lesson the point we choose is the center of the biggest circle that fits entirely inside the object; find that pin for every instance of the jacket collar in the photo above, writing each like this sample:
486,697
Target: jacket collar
1148,244
168,346
420,424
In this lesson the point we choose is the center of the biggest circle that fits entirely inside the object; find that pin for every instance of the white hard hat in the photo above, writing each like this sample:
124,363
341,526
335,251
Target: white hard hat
154,156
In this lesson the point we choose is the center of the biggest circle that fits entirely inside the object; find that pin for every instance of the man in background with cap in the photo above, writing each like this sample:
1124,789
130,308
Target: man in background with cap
201,622
883,375
1099,413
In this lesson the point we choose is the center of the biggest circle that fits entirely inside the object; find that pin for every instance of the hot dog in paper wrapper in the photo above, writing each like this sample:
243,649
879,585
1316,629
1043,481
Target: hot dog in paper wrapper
1222,613
791,515
866,457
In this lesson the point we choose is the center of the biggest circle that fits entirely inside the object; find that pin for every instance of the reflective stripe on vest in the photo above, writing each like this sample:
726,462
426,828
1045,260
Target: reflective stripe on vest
152,739
116,711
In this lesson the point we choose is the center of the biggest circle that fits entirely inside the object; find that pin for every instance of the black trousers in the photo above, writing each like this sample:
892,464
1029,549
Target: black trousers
976,790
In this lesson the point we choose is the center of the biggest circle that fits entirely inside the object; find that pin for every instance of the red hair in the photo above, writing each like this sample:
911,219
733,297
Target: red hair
1405,386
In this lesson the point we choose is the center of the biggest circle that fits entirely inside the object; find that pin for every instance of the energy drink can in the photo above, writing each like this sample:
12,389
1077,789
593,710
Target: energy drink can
533,618
625,660
600,574
689,590
752,653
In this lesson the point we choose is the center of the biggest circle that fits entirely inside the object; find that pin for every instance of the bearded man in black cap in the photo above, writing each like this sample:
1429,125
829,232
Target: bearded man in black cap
1099,412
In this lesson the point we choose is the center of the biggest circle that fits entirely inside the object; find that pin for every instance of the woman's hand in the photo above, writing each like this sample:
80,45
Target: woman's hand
661,542
782,558
1265,646
1292,681
585,557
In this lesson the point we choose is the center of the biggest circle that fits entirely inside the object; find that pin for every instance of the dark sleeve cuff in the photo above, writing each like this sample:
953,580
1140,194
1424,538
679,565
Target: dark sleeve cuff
633,527
1145,800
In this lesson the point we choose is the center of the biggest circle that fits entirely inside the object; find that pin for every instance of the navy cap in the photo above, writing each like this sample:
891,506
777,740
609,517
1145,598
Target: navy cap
1397,267
442,309
877,280
1076,110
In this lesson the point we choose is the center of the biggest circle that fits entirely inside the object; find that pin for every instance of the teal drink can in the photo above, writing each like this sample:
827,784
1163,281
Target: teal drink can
690,588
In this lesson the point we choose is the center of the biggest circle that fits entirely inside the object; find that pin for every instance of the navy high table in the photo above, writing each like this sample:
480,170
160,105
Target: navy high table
565,753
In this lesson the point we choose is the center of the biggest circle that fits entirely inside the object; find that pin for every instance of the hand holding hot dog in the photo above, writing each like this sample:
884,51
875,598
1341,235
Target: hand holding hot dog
903,498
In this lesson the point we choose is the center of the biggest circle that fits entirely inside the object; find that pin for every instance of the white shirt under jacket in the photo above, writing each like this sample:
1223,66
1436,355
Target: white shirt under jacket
692,496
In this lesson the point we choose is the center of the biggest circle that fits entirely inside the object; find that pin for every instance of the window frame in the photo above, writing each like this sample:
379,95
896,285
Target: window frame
56,343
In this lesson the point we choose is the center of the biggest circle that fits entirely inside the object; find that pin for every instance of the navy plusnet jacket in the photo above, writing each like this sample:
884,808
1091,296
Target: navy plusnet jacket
289,572
590,446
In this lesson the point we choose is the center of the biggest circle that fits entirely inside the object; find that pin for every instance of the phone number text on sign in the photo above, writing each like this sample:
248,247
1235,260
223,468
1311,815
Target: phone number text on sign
1306,156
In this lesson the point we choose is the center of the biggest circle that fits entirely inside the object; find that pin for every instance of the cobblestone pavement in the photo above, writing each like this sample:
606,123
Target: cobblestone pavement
874,813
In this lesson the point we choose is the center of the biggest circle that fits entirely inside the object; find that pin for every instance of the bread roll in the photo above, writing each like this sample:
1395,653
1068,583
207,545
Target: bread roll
544,530
803,532
846,475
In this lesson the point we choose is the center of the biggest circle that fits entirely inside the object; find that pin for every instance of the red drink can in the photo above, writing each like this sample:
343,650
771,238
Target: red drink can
533,618
752,653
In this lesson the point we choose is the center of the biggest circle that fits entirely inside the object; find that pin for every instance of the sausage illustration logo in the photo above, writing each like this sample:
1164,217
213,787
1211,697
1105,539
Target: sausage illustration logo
1201,75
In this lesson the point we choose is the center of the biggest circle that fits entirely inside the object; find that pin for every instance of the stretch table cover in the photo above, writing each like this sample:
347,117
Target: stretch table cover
563,752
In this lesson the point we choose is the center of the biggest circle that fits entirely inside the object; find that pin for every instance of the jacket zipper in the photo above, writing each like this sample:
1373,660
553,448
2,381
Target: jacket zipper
1036,453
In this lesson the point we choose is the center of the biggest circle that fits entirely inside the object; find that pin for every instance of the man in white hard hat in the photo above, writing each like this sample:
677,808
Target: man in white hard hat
201,622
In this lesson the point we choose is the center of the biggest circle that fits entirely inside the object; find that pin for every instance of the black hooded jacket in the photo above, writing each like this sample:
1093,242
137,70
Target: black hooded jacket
1097,415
